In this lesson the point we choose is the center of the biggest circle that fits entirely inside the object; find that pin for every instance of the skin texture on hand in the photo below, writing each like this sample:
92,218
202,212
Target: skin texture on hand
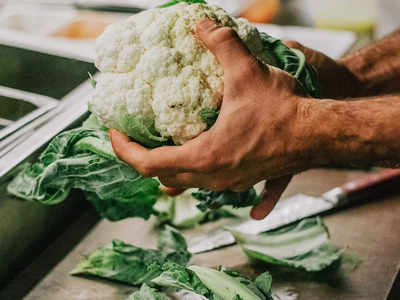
258,134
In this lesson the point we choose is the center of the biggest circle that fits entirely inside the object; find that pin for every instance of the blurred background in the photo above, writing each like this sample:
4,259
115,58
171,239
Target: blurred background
81,21
363,16
47,50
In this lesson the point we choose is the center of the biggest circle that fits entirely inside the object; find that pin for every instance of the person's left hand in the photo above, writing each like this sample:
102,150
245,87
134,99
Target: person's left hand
262,131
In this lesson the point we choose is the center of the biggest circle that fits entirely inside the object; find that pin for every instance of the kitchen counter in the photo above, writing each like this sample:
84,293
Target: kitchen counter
369,231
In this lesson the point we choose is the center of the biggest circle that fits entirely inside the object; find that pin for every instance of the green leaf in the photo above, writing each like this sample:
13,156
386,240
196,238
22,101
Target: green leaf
293,61
264,284
213,199
147,293
304,245
83,159
225,286
133,265
262,289
180,277
93,82
142,131
214,284
209,116
174,2
173,244
182,212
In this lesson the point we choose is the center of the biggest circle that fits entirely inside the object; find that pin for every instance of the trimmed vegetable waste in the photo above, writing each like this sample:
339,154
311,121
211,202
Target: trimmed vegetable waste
133,265
305,245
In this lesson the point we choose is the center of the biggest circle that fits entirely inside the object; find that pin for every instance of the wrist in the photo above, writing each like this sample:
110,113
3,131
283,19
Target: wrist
361,133
314,139
331,139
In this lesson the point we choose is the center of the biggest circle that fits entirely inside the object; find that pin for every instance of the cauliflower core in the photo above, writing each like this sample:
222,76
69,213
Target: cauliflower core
156,76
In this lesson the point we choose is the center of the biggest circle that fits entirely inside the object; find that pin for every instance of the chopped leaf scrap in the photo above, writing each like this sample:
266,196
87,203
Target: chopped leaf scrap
213,199
147,293
215,284
182,212
127,263
305,245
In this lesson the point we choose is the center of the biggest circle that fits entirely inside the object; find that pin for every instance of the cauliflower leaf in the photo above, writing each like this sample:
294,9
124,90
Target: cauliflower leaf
173,2
127,263
83,159
305,245
147,293
214,284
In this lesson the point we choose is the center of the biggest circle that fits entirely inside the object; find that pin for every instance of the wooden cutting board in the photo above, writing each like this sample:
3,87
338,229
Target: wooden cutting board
371,231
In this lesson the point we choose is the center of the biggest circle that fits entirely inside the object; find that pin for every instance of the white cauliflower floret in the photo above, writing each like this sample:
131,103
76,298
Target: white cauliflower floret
155,70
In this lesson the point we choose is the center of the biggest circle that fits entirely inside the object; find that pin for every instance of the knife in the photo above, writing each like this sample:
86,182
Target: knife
300,206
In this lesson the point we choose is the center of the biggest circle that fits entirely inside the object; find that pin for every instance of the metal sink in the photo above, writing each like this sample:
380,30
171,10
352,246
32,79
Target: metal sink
41,94
41,73
33,89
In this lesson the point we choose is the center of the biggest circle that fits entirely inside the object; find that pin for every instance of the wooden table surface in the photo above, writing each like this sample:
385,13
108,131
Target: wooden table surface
370,231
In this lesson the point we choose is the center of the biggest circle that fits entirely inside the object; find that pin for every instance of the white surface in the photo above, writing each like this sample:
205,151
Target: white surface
34,19
331,42
233,6
80,50
29,26
343,11
389,16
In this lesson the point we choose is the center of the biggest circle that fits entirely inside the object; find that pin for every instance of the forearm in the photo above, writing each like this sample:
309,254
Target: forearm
377,67
363,133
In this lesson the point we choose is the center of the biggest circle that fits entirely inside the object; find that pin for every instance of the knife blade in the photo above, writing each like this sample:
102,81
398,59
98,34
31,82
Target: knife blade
300,206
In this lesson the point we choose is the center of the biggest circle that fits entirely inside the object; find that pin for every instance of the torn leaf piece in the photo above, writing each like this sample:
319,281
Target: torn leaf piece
305,245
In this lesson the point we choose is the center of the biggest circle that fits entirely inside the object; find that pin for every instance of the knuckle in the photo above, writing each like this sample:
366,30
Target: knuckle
249,68
117,148
207,165
222,34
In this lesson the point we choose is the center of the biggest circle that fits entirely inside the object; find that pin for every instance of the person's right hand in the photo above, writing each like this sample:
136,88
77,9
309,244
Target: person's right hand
337,81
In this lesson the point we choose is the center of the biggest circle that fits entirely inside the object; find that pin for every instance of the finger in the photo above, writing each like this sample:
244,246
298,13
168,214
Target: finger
225,44
167,160
295,45
172,191
124,148
186,180
272,192
312,56
241,187
214,182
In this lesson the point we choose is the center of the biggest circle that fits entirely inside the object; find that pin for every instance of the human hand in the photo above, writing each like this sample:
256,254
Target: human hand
261,133
337,81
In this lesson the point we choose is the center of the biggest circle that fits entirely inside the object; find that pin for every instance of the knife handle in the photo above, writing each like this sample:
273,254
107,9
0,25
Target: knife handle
373,186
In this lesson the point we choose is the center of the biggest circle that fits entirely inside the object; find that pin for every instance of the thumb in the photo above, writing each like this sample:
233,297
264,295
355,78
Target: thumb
224,43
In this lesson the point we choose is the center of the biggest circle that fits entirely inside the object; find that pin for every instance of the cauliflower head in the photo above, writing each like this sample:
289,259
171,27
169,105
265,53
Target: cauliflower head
157,77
